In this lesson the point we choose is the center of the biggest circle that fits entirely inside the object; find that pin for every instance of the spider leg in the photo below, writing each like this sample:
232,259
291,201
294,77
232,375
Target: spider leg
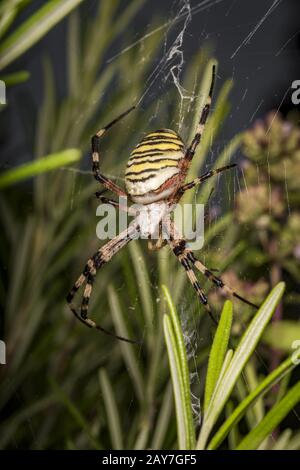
82,278
202,178
182,257
206,209
84,310
159,243
116,204
202,121
95,144
99,259
180,249
216,280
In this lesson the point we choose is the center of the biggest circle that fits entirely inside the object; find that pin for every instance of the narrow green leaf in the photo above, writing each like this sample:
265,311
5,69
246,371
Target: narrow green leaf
180,375
6,19
128,350
218,351
15,78
259,391
8,5
34,28
251,380
42,165
294,443
224,158
282,334
239,360
174,363
271,420
283,440
183,360
74,54
24,414
143,282
74,411
225,365
113,419
234,435
163,419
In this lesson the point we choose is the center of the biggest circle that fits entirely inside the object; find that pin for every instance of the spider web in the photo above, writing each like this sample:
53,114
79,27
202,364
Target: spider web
170,69
168,73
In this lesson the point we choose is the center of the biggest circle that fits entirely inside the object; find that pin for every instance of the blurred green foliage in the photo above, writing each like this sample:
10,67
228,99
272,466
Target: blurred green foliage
65,386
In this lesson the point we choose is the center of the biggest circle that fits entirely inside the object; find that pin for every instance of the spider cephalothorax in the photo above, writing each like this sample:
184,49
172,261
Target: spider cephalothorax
154,179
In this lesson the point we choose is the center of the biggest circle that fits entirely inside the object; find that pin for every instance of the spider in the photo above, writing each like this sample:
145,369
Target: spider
155,179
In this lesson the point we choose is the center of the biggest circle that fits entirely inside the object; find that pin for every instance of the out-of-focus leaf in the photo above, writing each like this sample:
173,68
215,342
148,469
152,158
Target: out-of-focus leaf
271,420
282,334
238,362
42,165
15,78
34,28
163,419
74,411
218,351
180,376
259,391
128,350
113,417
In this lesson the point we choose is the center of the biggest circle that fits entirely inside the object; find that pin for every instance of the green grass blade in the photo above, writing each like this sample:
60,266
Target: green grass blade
113,419
224,158
218,351
226,362
163,419
74,54
251,379
42,165
9,5
176,382
34,28
257,435
25,414
180,375
234,435
128,350
74,411
259,391
282,441
239,360
15,78
6,19
294,443
142,276
282,334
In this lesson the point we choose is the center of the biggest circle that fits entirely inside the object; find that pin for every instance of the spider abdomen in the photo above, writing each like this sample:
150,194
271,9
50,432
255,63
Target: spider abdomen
153,168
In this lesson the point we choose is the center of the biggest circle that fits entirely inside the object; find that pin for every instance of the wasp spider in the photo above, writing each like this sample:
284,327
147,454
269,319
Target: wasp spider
155,179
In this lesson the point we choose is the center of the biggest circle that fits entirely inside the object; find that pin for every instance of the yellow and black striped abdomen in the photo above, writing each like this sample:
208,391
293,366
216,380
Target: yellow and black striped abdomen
153,166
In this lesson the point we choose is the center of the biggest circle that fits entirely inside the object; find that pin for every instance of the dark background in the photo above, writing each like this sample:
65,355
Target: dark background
262,69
